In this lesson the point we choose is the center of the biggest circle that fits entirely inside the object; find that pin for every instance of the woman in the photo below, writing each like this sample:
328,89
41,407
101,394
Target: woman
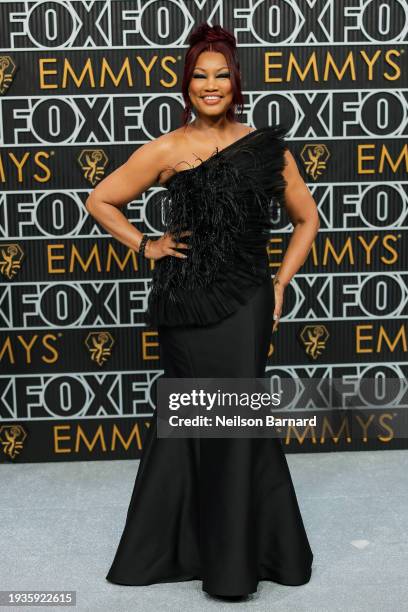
221,510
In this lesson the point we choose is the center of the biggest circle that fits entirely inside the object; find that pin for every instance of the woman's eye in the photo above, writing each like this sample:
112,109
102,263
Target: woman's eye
225,75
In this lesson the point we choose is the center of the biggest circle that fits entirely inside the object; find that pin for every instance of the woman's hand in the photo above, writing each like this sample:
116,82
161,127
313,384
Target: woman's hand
166,245
279,290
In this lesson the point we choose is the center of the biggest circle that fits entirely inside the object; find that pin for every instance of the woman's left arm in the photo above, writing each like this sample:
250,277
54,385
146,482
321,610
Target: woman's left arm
302,211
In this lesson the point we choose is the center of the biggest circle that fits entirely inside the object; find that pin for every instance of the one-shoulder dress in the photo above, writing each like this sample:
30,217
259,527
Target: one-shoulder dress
220,510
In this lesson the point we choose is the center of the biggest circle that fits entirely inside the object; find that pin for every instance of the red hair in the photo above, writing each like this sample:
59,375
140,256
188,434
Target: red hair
215,38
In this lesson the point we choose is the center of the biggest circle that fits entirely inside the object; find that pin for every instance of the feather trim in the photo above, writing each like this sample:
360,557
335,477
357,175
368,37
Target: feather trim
228,203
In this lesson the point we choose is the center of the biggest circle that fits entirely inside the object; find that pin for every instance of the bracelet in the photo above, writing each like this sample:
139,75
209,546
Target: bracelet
143,243
276,280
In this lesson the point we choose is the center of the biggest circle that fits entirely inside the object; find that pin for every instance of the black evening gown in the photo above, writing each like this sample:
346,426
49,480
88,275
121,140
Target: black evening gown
220,510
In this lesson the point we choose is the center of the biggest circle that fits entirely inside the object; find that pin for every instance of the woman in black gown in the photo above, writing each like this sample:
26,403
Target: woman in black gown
222,510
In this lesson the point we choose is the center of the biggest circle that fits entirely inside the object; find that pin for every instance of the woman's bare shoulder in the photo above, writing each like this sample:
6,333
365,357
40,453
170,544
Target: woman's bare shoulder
167,142
180,149
162,145
158,152
174,148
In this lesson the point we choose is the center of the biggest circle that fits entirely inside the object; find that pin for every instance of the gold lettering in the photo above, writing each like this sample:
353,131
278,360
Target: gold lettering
365,426
169,71
38,160
121,264
349,62
147,68
347,248
277,251
7,348
52,349
99,435
51,257
389,248
78,81
361,158
300,437
58,438
19,164
268,66
135,433
370,62
327,426
43,61
28,346
360,338
106,69
401,335
94,254
368,247
385,155
386,416
146,344
311,64
397,73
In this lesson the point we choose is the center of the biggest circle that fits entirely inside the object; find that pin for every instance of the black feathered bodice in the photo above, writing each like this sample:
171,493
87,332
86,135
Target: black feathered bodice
227,202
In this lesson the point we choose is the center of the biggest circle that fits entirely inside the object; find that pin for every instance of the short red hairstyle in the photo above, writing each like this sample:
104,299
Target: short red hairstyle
212,38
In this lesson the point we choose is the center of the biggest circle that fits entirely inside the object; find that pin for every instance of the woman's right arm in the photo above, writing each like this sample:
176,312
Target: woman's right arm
126,183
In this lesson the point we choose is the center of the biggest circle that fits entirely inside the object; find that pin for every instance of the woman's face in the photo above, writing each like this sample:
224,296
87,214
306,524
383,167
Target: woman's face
210,87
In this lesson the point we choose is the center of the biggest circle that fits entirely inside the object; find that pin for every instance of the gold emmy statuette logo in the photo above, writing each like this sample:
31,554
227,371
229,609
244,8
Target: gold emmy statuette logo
7,71
314,337
93,163
11,256
99,344
11,439
315,158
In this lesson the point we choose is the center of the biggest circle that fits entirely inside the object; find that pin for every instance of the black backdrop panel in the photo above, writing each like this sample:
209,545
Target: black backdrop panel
82,85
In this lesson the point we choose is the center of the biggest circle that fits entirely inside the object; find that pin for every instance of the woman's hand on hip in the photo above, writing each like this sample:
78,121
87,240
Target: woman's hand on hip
166,245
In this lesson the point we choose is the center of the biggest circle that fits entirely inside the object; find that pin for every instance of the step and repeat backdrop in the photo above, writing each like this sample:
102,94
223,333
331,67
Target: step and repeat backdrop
82,85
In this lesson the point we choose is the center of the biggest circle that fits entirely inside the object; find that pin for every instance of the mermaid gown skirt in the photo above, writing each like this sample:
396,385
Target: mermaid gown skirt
220,510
